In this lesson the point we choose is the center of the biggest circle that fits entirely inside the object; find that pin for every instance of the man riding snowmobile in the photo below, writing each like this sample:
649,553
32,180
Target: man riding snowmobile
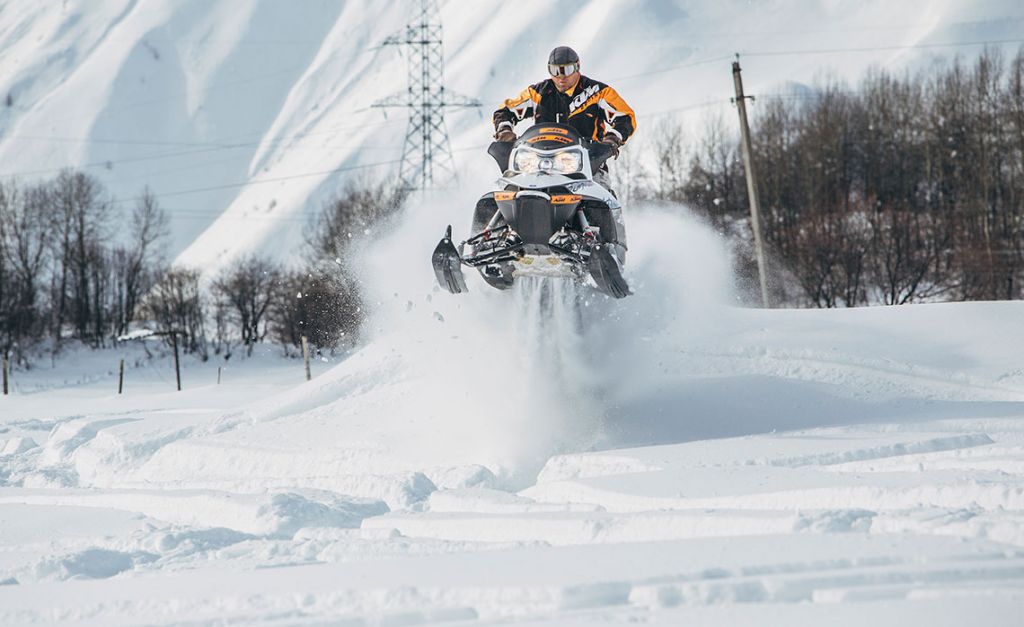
552,212
593,108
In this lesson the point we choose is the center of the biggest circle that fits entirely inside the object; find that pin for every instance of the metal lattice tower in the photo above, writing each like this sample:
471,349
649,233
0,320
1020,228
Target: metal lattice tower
426,155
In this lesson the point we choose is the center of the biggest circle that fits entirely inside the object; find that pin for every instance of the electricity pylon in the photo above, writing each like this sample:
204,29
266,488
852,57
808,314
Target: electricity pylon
426,156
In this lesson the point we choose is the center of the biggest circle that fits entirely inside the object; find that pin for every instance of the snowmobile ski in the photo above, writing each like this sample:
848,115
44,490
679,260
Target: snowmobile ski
448,265
607,273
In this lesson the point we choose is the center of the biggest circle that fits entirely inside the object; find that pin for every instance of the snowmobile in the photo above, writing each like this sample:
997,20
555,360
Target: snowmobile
546,216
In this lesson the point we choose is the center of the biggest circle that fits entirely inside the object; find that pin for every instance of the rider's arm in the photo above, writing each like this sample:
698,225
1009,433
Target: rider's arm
515,109
619,119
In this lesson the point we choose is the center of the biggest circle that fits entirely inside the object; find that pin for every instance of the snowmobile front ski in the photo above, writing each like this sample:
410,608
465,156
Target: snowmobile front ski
448,265
607,273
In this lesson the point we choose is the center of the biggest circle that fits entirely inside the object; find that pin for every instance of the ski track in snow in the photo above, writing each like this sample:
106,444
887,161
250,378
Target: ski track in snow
540,455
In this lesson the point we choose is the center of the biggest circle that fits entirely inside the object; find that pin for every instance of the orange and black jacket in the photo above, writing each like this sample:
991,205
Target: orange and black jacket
593,108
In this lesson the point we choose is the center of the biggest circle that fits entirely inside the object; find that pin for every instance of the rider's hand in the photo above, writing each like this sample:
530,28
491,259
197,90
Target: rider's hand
612,142
505,135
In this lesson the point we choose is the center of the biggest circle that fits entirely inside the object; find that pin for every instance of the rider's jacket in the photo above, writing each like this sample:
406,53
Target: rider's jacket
593,108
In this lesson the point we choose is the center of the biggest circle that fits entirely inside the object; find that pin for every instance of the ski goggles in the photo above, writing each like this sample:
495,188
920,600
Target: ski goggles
563,70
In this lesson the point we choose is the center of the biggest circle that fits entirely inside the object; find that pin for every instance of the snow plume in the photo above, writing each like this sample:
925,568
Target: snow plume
682,280
498,373
507,379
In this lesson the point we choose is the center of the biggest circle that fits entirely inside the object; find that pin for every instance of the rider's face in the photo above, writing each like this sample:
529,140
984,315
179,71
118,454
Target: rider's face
565,83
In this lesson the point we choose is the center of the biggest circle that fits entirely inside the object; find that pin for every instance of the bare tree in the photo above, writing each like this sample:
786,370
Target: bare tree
135,264
315,305
80,220
176,304
24,248
247,287
358,207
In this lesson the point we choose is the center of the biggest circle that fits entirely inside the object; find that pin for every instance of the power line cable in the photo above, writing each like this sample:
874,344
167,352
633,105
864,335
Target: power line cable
674,67
773,53
207,148
215,214
277,179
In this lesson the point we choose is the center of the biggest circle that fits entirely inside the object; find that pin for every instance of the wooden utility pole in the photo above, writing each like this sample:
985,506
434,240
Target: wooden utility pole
120,378
305,356
748,166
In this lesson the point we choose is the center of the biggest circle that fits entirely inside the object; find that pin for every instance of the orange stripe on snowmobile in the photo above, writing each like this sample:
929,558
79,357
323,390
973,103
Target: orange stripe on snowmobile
504,195
566,199
549,138
550,129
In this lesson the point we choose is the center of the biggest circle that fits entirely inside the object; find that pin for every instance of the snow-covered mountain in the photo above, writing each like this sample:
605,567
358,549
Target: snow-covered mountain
245,115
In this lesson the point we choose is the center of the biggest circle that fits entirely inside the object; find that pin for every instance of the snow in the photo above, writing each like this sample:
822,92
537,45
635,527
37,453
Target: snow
487,459
539,457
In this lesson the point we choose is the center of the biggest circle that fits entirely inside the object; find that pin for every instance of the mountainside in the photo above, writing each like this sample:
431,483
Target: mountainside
244,116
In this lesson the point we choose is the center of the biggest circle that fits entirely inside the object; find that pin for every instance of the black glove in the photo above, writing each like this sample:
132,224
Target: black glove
505,135
612,142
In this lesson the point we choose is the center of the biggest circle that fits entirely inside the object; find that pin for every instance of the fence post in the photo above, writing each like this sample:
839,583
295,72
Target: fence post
305,356
218,374
177,367
120,378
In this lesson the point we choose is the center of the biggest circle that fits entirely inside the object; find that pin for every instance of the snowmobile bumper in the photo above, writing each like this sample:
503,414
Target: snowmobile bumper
448,265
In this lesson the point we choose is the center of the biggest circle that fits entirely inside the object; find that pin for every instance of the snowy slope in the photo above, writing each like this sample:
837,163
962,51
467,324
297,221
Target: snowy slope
244,116
667,459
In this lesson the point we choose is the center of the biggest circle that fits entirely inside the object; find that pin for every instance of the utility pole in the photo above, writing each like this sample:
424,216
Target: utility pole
426,155
748,166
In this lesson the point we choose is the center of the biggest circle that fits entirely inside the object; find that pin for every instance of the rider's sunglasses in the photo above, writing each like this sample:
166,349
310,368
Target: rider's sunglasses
563,70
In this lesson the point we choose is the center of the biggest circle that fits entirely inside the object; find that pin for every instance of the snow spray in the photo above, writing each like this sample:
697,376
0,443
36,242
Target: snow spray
516,376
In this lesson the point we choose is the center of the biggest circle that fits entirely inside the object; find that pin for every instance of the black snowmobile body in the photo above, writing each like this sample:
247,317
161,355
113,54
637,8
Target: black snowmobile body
545,217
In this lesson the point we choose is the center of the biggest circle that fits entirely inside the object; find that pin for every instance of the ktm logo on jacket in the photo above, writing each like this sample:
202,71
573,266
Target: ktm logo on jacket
593,108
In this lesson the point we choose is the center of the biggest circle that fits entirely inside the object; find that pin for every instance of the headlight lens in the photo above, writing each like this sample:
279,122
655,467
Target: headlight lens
529,161
567,162
526,161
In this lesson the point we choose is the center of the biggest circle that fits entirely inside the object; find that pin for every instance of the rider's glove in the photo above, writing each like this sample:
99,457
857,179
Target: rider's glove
614,143
505,134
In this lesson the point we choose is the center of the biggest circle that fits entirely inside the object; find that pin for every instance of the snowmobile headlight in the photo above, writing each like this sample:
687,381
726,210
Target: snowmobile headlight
529,161
567,162
526,161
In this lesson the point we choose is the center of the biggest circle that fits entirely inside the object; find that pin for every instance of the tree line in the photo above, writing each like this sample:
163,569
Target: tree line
77,266
908,187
